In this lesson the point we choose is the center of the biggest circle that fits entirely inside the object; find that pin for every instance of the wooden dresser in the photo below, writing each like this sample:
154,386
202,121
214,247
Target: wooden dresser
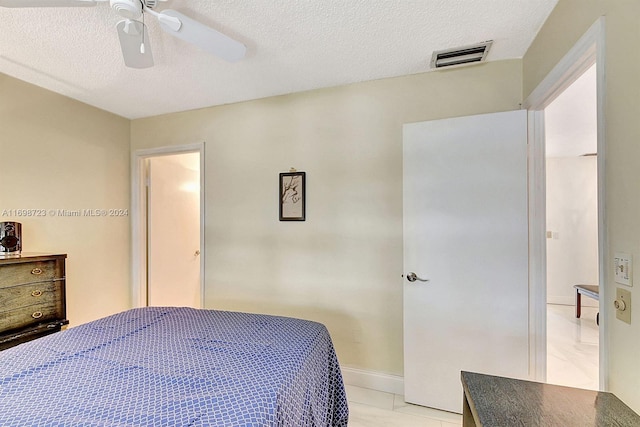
32,297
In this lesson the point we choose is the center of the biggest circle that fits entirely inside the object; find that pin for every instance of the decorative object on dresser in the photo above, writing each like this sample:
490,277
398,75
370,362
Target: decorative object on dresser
32,297
10,238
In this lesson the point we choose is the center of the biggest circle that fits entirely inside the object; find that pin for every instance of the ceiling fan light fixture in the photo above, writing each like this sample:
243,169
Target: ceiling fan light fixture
130,9
465,55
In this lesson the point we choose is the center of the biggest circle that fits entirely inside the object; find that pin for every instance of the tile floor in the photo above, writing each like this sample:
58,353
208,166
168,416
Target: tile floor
572,360
572,347
370,408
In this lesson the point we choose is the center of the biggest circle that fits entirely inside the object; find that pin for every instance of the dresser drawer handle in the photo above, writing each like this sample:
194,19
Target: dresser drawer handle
36,293
37,314
36,271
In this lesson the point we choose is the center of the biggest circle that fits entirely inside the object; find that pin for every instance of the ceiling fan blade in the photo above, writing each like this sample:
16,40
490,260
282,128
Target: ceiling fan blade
134,41
48,3
206,38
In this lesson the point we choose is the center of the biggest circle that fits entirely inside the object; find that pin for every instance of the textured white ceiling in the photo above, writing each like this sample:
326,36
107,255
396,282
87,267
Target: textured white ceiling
293,46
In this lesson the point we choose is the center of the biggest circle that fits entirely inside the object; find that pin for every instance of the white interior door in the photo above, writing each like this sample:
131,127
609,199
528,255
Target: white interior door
173,231
465,230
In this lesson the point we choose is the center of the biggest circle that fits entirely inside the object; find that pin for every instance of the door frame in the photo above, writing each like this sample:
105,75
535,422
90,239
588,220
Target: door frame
139,217
589,49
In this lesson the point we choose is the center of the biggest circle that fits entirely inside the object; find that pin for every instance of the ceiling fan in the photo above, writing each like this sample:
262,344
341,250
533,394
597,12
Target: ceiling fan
132,32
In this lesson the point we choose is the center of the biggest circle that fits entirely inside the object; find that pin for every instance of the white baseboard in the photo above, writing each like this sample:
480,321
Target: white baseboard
561,300
373,380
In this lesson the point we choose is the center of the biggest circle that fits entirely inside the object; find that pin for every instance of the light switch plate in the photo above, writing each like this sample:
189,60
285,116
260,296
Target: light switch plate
623,299
623,267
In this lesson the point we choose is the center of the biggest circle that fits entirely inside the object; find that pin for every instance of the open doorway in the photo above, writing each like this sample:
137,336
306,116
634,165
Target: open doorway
572,235
167,214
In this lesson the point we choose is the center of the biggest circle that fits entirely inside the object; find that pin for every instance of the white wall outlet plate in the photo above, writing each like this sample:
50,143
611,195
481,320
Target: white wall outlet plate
623,268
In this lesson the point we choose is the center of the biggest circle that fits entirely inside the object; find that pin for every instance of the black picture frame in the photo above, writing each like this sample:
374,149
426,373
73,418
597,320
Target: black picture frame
293,196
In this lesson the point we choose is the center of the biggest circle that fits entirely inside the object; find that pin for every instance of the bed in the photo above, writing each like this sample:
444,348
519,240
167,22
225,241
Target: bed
161,366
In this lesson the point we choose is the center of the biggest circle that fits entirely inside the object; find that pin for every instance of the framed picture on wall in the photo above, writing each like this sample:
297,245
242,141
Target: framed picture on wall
292,196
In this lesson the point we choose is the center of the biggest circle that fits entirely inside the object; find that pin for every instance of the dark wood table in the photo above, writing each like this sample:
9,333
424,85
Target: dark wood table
592,291
491,401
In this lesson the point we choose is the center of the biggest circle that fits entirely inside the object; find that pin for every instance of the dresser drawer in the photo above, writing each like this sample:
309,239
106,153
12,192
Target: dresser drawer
46,310
32,297
28,272
29,294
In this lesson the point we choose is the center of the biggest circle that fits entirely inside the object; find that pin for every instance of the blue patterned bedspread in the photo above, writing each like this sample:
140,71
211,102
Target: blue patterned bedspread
176,367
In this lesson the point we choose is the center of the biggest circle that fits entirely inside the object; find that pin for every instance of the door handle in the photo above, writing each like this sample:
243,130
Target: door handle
412,277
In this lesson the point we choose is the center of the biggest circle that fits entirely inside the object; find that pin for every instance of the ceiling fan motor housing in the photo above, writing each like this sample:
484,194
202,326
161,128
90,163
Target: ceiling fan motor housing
130,9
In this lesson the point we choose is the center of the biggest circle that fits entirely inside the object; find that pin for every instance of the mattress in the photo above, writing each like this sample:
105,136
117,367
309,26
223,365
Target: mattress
162,366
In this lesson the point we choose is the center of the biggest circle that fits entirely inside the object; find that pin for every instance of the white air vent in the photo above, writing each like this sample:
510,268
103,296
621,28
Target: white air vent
460,56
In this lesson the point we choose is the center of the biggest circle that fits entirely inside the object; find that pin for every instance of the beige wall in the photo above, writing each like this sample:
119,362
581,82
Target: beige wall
342,266
57,153
569,20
